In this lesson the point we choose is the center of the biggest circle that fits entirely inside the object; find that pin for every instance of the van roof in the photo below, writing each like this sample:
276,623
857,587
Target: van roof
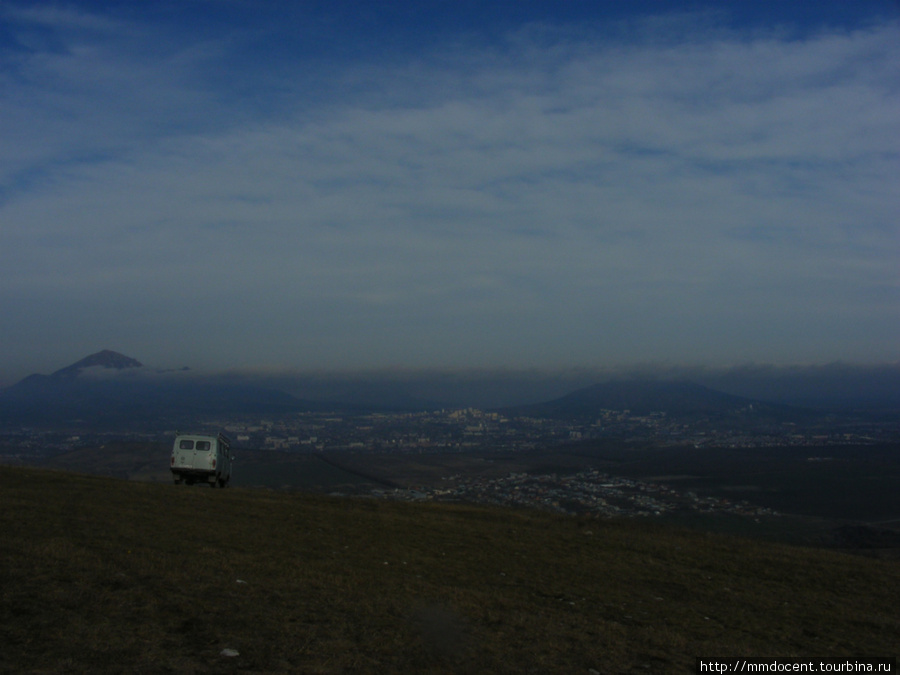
212,437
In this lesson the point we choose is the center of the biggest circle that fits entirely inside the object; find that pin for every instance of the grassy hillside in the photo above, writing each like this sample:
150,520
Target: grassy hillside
104,575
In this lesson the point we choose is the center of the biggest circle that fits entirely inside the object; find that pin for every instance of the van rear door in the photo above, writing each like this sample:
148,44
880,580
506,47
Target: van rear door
203,454
184,454
193,454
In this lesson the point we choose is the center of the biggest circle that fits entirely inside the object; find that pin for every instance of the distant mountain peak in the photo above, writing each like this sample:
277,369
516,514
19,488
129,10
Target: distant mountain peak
103,359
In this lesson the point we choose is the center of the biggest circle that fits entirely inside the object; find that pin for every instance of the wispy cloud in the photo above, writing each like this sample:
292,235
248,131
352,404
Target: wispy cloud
561,198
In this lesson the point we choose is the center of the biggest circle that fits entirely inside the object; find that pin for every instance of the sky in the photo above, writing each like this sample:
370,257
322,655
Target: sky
227,184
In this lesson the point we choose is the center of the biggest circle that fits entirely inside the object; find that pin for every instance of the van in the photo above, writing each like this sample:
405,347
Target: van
201,458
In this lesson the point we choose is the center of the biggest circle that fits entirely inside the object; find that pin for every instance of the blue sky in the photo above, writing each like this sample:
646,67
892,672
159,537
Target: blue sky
341,185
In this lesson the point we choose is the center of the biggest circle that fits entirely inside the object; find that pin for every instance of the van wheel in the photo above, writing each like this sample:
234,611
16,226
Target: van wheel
177,479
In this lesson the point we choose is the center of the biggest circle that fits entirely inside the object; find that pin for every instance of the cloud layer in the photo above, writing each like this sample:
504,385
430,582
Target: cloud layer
669,191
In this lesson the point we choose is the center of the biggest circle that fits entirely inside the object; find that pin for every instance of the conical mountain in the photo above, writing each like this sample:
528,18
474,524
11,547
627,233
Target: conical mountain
103,359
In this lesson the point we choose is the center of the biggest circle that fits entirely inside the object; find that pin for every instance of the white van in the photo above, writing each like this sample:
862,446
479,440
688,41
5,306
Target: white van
201,458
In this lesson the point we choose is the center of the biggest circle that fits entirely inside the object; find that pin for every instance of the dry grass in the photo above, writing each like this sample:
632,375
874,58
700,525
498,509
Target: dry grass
112,576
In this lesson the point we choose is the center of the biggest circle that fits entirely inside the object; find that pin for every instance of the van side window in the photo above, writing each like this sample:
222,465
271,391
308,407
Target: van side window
186,445
202,445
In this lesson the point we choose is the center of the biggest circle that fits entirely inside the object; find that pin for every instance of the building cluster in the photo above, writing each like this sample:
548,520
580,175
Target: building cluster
471,429
586,492
457,430
477,431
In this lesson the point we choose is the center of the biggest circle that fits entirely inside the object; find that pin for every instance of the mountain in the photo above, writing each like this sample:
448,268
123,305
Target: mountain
103,359
642,397
111,389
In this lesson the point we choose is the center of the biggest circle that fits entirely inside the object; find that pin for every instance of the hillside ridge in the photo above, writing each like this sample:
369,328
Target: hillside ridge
159,577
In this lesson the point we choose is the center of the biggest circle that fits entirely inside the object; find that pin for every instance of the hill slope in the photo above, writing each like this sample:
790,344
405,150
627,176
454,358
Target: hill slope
116,576
642,397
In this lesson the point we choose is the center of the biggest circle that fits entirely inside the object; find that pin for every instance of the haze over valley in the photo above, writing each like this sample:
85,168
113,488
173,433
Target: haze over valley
658,447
